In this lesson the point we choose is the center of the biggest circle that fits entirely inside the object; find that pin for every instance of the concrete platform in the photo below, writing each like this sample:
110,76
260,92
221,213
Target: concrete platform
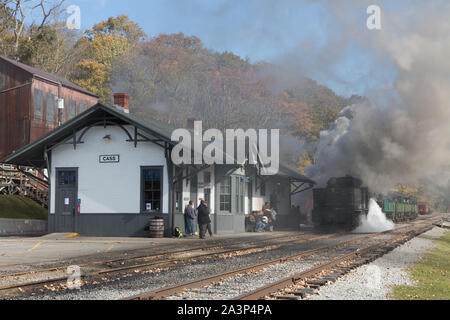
65,247
54,249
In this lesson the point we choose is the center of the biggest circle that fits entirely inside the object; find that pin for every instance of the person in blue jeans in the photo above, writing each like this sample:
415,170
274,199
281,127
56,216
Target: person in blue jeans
262,225
189,218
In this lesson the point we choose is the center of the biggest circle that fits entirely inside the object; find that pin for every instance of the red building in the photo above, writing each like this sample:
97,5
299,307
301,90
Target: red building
29,103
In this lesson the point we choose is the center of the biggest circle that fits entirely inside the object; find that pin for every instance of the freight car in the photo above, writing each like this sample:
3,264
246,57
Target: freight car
341,203
399,208
424,208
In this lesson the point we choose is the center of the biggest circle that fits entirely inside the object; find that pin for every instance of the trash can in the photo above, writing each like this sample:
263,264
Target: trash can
156,228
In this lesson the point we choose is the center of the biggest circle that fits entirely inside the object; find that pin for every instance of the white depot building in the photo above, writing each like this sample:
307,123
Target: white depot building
110,172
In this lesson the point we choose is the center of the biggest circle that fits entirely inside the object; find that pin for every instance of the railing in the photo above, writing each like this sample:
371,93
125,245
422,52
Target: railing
25,182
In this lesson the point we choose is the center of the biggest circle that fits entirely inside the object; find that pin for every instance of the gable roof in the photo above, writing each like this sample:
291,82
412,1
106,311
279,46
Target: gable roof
294,174
34,153
47,76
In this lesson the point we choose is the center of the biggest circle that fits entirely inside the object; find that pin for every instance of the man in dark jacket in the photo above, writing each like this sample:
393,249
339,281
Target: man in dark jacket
203,218
189,217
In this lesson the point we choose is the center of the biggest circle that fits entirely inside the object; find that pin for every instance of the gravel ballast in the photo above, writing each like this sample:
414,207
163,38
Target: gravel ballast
375,280
135,283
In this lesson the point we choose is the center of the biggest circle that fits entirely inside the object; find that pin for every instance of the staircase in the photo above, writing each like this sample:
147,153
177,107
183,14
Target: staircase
25,182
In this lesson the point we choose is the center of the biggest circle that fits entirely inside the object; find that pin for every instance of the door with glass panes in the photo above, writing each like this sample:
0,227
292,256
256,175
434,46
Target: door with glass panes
66,199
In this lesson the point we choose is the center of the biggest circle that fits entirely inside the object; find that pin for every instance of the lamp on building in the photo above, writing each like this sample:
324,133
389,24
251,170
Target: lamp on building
107,138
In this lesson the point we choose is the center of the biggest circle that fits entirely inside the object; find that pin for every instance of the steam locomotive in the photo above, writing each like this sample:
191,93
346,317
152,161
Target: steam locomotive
342,202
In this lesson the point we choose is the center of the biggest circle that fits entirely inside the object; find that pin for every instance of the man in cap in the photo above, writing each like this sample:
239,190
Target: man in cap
203,218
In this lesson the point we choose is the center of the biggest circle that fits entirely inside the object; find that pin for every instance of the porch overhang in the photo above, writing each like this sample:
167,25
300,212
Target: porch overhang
36,154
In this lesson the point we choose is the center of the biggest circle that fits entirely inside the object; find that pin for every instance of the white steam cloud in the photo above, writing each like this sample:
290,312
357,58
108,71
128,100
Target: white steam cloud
375,221
403,135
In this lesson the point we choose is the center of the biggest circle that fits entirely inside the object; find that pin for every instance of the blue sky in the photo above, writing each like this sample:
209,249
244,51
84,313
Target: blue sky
257,29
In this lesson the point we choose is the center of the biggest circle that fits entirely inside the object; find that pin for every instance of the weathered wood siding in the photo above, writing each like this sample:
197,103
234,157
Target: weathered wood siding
19,124
14,109
41,127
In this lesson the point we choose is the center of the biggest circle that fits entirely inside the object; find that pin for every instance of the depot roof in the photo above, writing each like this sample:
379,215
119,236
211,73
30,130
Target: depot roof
34,154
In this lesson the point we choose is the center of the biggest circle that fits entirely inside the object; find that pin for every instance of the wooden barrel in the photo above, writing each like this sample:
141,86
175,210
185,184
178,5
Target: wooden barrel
156,229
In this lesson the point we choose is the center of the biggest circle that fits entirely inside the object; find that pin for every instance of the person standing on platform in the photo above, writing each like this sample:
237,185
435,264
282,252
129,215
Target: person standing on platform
270,213
189,218
203,218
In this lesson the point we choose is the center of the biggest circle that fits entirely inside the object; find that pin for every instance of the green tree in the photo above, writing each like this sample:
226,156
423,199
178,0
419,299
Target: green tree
108,41
52,49
16,13
305,160
119,26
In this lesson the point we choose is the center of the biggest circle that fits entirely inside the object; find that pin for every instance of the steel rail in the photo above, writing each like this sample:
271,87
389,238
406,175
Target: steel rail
183,259
158,263
159,255
174,246
168,291
292,280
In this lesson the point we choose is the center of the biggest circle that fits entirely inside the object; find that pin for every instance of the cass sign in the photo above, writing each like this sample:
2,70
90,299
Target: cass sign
110,159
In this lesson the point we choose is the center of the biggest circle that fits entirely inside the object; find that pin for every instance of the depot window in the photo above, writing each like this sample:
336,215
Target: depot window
66,178
225,195
262,190
242,194
2,81
38,104
239,192
151,189
50,107
72,109
81,108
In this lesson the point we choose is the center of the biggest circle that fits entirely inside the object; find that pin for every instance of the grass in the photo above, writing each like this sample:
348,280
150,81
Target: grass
16,207
432,275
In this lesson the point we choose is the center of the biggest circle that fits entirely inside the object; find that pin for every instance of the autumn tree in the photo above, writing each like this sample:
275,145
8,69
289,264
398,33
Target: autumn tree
160,75
173,77
35,33
296,115
16,13
305,160
118,26
105,43
52,49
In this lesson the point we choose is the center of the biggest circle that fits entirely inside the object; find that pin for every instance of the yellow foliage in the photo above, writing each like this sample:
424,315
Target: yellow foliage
94,72
305,160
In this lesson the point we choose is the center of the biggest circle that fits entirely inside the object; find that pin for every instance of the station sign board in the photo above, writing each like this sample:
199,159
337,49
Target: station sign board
115,158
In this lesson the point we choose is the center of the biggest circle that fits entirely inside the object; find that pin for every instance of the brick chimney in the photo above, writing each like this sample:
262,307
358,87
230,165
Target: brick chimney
122,100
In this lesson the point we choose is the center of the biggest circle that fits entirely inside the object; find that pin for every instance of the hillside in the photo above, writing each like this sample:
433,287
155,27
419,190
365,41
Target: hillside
16,207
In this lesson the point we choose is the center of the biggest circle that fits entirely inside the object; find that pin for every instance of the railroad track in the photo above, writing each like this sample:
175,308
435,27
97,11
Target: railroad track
302,284
97,270
168,252
101,268
199,283
169,249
